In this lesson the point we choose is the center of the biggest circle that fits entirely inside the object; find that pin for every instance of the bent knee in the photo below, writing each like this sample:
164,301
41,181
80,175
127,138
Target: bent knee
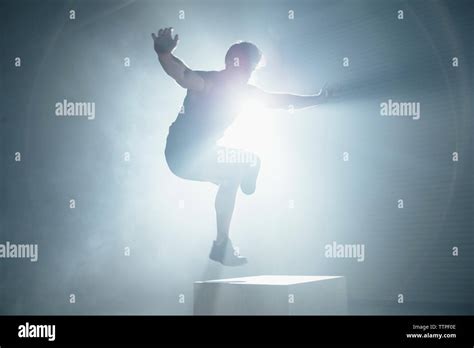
177,167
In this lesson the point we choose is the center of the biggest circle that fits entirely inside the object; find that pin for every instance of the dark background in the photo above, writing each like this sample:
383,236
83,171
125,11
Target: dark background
136,203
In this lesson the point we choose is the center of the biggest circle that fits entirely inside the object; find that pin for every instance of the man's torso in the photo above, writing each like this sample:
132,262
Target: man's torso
206,115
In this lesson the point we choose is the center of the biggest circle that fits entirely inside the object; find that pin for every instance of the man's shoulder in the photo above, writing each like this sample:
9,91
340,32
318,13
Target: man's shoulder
207,73
212,79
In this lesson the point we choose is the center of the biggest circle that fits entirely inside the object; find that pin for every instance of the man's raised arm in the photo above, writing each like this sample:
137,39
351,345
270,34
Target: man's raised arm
164,45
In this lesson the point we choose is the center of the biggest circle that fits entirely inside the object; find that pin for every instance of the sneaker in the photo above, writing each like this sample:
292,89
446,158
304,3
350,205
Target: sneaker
226,254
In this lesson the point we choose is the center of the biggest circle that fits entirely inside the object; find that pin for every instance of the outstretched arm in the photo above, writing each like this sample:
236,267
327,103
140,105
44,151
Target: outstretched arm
286,100
164,45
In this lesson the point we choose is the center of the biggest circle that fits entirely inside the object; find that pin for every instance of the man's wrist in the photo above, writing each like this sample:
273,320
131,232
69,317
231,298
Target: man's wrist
319,98
323,96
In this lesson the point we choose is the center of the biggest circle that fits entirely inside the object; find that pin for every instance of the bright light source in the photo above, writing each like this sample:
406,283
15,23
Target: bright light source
252,130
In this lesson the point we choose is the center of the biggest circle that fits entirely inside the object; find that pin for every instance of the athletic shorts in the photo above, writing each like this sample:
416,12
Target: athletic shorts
208,162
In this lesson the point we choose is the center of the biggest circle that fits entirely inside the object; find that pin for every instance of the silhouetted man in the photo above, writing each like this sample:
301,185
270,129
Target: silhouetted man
213,101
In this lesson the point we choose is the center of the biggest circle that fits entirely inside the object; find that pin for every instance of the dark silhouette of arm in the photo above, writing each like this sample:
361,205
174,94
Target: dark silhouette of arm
164,45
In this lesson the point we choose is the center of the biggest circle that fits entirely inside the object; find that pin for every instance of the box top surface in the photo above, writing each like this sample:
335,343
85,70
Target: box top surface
269,280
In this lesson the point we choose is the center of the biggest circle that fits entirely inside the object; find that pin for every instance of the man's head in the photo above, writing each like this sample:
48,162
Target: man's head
241,59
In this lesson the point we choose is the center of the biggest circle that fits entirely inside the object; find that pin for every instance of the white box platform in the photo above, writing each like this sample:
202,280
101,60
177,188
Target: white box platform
271,295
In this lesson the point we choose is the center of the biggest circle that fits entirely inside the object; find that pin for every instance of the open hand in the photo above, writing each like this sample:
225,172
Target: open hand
164,42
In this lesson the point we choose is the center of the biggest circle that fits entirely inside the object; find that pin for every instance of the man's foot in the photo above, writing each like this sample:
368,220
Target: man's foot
249,181
225,253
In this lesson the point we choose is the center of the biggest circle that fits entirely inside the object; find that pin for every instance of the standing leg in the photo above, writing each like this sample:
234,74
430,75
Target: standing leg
222,249
225,203
228,175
